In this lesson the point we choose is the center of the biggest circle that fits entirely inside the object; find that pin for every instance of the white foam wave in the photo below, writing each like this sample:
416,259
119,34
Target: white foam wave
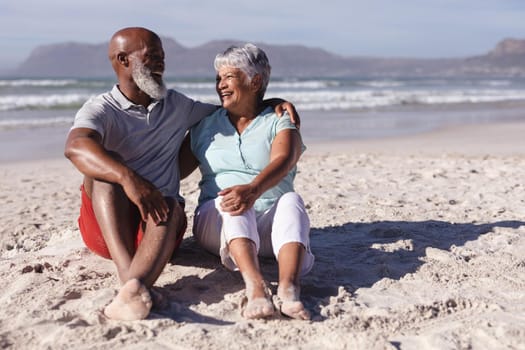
381,83
285,84
206,98
496,83
37,82
16,102
309,94
303,84
191,85
329,100
371,98
28,123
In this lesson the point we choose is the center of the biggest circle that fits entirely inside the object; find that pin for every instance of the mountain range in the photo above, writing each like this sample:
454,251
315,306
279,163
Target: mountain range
81,60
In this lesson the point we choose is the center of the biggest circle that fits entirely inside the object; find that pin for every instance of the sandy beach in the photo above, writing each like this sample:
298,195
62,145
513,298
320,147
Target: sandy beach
419,244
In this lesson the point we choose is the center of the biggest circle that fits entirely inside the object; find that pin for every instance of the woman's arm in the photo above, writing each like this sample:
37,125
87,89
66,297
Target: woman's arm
285,152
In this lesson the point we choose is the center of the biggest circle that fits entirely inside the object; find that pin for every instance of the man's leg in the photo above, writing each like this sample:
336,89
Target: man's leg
153,253
118,222
157,245
139,269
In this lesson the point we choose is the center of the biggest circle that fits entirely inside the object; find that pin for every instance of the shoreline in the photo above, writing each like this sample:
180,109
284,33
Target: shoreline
26,145
470,128
501,138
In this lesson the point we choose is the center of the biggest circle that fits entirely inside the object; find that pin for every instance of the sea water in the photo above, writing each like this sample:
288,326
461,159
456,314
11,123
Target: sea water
330,109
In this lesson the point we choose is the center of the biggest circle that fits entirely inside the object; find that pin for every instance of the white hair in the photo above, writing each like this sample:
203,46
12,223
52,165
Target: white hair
142,77
250,59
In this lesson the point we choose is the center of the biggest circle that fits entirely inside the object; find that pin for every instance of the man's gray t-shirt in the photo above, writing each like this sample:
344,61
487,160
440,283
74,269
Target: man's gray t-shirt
147,139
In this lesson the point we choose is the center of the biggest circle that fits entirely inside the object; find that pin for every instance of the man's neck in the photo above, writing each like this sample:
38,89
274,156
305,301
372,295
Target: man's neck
135,95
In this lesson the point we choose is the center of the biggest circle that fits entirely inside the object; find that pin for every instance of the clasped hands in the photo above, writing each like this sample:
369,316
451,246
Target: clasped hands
237,199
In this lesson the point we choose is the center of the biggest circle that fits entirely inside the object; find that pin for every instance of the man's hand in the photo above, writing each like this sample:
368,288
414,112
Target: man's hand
147,198
237,199
280,106
84,148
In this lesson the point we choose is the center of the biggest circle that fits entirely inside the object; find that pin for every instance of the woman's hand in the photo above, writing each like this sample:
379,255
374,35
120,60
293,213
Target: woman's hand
237,199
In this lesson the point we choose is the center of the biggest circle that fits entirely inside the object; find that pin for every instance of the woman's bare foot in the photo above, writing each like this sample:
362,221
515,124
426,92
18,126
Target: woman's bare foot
133,302
287,302
257,308
257,303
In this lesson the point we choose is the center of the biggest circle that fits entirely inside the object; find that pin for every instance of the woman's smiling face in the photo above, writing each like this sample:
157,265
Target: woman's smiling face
233,88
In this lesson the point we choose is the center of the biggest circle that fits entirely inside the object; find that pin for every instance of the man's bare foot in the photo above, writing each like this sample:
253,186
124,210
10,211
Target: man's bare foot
257,303
133,302
287,302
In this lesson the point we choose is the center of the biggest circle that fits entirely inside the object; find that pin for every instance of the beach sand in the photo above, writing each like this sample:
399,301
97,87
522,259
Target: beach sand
419,244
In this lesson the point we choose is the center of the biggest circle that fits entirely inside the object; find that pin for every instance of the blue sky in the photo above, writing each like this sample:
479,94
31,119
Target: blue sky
392,28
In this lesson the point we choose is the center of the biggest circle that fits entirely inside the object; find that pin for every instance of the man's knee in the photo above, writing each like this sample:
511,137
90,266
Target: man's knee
108,192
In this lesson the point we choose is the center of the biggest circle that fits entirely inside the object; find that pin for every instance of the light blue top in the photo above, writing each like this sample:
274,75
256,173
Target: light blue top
228,159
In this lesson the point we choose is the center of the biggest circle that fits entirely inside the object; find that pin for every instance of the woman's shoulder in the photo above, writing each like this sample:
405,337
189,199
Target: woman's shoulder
268,117
210,121
268,113
271,119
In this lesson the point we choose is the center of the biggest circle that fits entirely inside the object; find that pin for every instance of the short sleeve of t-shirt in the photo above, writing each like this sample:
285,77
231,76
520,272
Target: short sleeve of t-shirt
91,115
283,123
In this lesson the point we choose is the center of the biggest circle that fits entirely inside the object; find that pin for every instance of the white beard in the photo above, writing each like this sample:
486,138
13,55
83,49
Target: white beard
142,77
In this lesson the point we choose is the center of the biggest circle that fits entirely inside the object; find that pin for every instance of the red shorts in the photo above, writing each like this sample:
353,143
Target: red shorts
92,235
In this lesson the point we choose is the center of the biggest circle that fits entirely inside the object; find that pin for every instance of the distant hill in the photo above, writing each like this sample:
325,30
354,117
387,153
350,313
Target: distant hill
507,58
90,60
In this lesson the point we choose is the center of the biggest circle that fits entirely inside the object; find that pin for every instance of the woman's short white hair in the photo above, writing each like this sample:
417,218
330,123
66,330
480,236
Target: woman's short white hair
250,59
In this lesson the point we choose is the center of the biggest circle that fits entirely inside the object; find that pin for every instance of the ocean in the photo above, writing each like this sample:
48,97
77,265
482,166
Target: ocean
330,109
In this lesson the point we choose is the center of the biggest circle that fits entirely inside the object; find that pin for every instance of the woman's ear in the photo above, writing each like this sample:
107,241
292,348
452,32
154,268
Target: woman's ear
256,83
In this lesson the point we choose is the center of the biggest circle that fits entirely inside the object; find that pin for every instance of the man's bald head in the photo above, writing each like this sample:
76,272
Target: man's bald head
128,40
137,58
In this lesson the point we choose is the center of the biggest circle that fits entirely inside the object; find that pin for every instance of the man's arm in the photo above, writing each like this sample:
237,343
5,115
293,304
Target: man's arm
201,110
85,150
187,161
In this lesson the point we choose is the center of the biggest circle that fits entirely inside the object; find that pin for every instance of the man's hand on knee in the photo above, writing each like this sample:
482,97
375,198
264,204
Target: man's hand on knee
148,199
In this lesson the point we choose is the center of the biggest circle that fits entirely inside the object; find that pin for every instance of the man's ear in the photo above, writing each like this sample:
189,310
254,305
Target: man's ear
122,58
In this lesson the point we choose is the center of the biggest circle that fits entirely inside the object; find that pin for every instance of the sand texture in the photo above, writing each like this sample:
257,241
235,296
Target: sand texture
413,250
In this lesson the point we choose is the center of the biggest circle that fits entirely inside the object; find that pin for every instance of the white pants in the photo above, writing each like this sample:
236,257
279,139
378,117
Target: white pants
285,222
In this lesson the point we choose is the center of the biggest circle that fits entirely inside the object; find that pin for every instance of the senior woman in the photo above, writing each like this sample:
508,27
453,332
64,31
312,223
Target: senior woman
247,204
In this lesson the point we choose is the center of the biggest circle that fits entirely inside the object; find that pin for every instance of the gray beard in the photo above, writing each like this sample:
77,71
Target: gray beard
142,77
